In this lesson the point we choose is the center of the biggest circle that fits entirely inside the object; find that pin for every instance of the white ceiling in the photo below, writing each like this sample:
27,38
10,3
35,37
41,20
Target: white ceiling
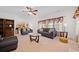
16,11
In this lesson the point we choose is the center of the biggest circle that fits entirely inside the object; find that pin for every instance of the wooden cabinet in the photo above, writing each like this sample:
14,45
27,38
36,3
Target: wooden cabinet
6,27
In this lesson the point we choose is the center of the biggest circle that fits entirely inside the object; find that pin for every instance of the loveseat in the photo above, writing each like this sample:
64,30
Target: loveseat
25,31
48,32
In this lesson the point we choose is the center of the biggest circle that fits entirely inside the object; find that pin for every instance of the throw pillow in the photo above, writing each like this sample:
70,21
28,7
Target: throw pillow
51,30
1,39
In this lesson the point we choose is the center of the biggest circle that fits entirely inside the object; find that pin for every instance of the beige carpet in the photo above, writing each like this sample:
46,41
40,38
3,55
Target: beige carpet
45,45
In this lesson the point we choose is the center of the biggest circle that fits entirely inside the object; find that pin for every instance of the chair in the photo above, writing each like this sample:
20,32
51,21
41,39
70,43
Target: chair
63,37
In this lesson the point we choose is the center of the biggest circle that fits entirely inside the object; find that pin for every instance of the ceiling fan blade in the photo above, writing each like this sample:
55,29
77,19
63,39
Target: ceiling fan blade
35,10
29,8
33,13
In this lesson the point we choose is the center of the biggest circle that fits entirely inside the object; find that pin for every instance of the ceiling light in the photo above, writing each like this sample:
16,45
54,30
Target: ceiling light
76,14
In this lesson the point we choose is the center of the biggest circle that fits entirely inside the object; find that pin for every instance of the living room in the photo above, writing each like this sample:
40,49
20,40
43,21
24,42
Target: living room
49,28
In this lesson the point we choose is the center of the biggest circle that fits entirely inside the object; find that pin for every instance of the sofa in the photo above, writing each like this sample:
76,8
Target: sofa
48,32
8,44
25,31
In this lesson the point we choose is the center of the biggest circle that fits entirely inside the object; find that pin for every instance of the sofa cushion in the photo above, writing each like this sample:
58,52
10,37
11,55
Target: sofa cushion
46,29
50,30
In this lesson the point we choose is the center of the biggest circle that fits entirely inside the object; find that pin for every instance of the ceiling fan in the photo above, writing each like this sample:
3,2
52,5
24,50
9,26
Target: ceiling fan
76,14
30,10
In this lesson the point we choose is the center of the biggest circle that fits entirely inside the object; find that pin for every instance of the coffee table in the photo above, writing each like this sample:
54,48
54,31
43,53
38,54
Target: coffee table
34,37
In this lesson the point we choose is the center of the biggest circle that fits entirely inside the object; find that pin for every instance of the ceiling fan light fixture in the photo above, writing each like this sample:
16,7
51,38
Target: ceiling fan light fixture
29,13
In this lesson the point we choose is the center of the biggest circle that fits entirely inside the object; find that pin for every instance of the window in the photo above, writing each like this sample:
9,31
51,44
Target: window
58,26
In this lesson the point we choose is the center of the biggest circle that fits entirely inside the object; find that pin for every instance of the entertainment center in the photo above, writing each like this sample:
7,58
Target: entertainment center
6,27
